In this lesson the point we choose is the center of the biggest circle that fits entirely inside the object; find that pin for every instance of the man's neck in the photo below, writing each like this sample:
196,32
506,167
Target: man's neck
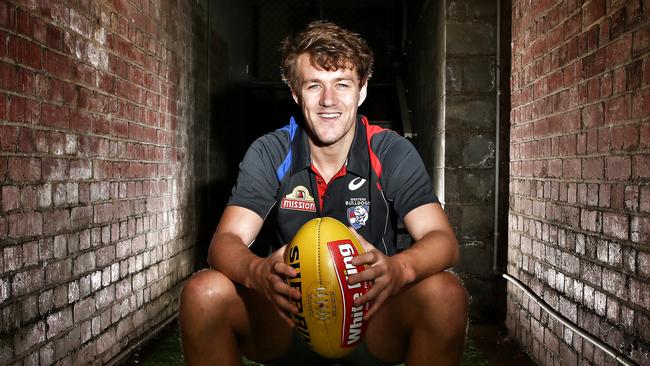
328,160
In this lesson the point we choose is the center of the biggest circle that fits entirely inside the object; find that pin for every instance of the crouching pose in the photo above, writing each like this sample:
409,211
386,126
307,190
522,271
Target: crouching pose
329,161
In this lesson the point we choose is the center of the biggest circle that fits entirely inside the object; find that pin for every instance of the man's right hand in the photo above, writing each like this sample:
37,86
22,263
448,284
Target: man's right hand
268,276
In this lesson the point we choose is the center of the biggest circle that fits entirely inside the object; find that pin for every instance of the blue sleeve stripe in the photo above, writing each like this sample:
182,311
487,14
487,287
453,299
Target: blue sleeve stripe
286,163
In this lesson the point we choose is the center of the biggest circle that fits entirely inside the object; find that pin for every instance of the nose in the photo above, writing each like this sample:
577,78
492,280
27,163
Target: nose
328,97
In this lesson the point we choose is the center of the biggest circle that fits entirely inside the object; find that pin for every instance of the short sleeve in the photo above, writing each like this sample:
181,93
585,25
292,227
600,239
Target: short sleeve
405,178
257,183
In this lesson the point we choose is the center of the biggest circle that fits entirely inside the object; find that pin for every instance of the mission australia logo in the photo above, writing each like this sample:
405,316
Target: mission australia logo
299,200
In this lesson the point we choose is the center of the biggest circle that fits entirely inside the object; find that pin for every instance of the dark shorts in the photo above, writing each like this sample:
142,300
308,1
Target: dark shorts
300,354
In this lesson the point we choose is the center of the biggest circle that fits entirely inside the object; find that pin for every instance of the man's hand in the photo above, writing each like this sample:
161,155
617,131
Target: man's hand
386,273
268,279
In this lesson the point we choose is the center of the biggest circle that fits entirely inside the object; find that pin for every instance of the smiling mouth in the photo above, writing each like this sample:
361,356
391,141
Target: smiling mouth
329,115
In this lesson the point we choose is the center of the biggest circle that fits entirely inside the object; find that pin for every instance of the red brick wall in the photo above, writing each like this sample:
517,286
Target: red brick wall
94,187
580,177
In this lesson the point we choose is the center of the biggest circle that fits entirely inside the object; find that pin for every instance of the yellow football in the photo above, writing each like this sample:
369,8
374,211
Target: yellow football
327,319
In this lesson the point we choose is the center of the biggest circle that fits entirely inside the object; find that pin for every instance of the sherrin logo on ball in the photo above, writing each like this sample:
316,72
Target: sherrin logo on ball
327,319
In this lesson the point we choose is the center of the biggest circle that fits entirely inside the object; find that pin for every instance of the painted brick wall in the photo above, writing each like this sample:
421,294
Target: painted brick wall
579,222
470,130
94,183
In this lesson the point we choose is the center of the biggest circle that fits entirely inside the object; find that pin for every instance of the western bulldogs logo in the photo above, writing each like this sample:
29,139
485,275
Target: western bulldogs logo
357,216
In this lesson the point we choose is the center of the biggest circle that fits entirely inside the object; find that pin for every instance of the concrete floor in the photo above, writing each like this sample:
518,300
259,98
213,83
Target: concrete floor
487,345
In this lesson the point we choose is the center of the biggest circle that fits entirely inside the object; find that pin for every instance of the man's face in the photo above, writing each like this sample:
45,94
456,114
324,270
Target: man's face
329,101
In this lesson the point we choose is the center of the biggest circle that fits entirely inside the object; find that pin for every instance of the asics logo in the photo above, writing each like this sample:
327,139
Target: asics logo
356,183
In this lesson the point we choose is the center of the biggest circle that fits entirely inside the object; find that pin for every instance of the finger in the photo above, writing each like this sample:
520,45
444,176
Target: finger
376,305
368,274
282,288
283,304
286,318
369,296
368,258
364,243
284,270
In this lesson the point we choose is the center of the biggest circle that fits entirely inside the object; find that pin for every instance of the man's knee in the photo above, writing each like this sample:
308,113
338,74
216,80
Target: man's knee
207,291
443,299
444,288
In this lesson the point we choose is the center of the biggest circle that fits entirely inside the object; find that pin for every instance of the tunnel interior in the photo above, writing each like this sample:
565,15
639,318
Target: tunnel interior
248,97
409,92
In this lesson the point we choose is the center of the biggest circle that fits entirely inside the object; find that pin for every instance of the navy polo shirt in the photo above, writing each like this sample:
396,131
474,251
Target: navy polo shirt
384,178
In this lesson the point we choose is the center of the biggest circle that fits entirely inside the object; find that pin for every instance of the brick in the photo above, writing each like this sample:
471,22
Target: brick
25,52
620,81
644,264
55,169
28,336
58,194
615,225
590,220
593,64
644,199
592,116
81,216
644,135
26,140
10,198
7,15
592,168
24,169
58,322
60,246
632,198
56,222
592,11
641,166
29,198
640,293
641,41
83,309
58,272
641,104
571,168
7,76
80,169
54,116
640,229
618,109
84,263
3,105
57,65
618,167
27,281
25,224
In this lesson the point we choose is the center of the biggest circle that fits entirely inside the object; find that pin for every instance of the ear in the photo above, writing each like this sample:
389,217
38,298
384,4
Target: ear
363,93
295,96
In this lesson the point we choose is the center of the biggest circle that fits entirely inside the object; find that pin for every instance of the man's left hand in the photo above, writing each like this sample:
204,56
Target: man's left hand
384,272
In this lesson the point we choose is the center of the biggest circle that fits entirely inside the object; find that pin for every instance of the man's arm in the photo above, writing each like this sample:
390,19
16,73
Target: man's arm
435,249
229,254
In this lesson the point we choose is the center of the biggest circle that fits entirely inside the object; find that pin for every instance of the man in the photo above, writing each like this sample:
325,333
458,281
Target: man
330,162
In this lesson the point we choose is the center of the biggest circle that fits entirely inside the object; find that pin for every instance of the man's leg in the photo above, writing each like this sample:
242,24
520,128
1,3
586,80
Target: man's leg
424,325
220,321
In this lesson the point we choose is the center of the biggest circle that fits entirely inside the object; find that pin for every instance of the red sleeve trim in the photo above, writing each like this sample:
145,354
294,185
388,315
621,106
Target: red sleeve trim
372,130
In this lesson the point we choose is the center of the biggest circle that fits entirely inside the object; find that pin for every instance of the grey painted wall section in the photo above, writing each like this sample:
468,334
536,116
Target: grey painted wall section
453,97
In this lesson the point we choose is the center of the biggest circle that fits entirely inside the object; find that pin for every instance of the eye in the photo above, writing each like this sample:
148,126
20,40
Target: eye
313,86
342,85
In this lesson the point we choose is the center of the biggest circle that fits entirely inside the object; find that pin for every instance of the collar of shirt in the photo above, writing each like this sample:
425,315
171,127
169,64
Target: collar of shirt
358,159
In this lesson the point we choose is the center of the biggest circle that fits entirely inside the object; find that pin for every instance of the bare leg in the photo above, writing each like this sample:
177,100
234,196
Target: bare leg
423,325
220,321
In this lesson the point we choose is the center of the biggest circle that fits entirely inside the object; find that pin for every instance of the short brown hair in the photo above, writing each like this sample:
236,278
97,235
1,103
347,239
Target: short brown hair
330,47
